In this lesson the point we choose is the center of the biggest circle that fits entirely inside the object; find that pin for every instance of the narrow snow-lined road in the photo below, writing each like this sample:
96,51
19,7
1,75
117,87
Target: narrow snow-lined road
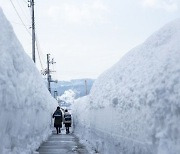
62,144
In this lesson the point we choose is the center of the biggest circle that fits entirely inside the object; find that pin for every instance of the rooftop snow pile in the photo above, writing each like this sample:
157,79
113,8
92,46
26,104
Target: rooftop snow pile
25,103
135,105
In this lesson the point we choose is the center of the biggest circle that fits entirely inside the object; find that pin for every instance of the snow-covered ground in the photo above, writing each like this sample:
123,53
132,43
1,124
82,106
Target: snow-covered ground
67,99
25,103
134,107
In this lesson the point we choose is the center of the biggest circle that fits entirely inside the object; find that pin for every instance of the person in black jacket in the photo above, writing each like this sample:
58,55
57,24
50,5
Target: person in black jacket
58,119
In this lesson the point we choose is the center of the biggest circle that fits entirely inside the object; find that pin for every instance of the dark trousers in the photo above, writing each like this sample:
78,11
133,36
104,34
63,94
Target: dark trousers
58,129
67,130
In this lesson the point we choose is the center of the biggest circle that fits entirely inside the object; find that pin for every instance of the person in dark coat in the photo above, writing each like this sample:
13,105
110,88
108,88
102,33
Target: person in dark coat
67,120
58,119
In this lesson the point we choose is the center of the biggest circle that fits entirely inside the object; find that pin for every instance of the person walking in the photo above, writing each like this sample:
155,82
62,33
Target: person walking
58,119
67,120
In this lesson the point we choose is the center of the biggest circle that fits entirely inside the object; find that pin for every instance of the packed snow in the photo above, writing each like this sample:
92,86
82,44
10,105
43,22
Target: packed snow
25,103
67,99
134,107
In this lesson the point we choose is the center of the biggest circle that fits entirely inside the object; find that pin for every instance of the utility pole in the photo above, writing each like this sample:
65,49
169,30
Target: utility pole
86,86
31,4
55,94
48,72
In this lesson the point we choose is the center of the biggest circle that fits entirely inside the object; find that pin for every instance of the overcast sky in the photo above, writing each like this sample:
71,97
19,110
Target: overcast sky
86,37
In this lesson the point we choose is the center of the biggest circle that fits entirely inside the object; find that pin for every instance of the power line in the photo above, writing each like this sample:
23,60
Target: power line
28,16
38,48
42,55
19,16
37,42
17,23
25,1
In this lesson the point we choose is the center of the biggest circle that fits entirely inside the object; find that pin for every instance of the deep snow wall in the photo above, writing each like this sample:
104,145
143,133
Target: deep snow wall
25,103
134,107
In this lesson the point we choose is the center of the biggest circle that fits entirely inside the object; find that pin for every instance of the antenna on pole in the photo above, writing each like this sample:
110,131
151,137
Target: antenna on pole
31,4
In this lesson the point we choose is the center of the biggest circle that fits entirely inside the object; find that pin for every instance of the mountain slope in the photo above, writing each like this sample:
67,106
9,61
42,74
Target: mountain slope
77,85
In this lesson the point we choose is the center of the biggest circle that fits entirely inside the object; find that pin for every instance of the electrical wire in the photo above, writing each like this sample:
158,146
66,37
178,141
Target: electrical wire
28,16
20,17
37,42
38,48
13,22
25,1
41,52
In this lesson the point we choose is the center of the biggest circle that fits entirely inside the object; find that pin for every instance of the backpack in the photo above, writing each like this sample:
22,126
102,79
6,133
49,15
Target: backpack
67,117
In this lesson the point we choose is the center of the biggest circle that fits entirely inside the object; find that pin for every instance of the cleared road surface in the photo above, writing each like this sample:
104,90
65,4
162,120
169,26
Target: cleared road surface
62,144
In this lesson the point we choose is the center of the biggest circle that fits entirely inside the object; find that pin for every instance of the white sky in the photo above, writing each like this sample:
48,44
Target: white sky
86,37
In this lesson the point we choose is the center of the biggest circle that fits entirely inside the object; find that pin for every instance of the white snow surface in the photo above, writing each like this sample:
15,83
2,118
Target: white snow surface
68,96
134,107
25,103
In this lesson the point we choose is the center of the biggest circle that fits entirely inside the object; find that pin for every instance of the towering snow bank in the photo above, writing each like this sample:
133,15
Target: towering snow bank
25,103
134,107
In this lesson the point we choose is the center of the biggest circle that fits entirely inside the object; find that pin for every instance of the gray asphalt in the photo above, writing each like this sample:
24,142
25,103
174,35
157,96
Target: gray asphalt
62,144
